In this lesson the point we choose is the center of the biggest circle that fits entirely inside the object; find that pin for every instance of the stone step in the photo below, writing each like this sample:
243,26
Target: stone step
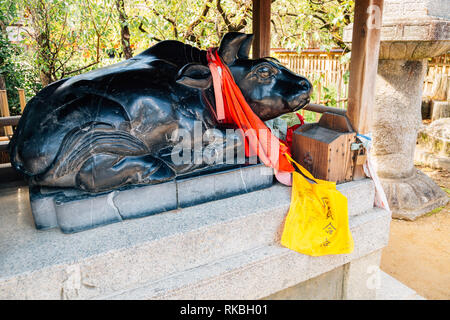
435,137
55,207
439,109
433,145
260,272
423,156
52,265
392,289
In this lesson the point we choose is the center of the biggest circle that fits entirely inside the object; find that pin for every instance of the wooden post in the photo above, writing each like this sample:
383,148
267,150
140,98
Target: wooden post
261,28
363,70
22,100
364,63
4,109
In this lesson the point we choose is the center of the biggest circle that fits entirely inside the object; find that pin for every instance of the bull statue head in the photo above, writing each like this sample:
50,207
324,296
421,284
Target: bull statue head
268,87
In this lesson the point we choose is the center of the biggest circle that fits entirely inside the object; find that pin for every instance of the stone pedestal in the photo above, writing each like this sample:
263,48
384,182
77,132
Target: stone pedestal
74,210
397,118
360,277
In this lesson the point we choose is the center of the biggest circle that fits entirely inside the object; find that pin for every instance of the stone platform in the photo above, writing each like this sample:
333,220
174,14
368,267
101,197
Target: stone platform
392,289
73,210
223,249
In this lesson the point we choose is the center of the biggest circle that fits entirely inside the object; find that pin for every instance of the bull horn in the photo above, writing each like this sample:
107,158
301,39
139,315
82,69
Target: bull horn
230,46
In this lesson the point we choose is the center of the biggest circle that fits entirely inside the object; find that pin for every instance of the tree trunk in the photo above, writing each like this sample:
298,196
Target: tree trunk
2,83
45,59
45,79
124,30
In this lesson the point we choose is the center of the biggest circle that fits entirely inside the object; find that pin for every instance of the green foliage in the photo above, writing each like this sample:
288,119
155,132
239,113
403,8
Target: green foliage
198,22
68,36
437,210
8,70
15,72
310,24
292,119
330,95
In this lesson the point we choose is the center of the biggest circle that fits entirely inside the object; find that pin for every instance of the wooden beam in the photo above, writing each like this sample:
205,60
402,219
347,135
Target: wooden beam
9,121
322,109
364,63
363,71
261,28
4,110
22,98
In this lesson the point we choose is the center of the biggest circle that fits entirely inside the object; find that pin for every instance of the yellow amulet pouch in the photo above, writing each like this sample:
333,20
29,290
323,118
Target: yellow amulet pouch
317,221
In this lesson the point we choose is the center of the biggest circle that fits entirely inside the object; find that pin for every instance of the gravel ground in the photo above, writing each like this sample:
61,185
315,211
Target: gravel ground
418,253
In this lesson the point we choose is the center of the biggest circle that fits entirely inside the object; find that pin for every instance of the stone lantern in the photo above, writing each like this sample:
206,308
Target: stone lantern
411,32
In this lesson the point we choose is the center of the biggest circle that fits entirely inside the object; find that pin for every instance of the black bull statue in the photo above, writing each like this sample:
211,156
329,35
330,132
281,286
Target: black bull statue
112,127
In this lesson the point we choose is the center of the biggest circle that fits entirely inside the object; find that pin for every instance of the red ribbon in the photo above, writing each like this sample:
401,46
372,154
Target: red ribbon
231,108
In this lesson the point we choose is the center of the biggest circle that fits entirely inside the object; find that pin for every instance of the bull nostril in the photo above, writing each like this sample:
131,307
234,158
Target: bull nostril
305,85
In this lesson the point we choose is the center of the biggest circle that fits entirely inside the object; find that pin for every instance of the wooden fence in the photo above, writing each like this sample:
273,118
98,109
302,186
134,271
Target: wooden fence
324,69
7,122
7,131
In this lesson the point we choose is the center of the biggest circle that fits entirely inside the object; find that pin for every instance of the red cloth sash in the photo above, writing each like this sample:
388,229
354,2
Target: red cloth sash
231,108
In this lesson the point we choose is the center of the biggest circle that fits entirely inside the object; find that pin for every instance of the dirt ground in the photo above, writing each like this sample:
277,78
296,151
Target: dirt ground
418,253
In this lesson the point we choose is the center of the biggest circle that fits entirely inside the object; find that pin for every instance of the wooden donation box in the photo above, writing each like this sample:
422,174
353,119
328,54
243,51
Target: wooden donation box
325,148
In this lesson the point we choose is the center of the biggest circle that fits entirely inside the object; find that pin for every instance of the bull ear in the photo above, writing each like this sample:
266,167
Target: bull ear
244,50
194,75
230,46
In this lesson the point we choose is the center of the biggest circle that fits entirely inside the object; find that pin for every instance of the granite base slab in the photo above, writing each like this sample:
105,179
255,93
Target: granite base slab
73,210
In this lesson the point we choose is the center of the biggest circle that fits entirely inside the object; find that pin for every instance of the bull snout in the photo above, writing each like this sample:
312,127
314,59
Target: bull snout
305,86
302,97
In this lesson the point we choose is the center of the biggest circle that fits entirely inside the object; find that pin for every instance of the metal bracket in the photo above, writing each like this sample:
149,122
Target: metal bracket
361,156
356,146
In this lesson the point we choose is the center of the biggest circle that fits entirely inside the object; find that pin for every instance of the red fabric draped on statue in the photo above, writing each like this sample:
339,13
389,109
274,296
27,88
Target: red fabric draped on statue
231,108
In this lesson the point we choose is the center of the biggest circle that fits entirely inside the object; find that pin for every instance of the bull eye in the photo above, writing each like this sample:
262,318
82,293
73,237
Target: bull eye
265,71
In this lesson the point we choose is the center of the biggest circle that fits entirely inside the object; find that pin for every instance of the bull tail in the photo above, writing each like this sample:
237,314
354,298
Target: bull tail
16,160
14,152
